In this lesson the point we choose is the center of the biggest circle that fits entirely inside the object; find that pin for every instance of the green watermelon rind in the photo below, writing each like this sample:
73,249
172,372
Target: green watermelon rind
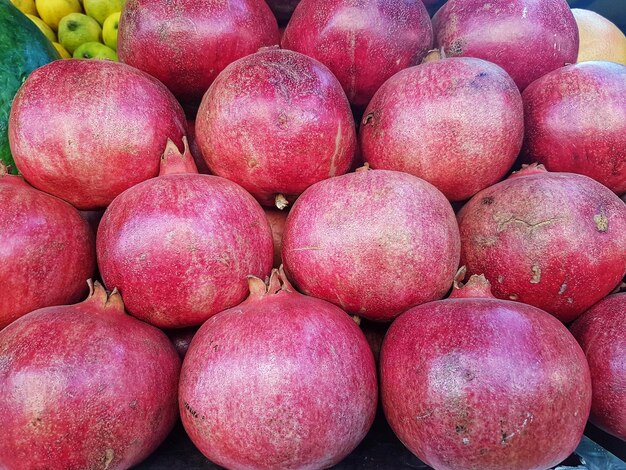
23,48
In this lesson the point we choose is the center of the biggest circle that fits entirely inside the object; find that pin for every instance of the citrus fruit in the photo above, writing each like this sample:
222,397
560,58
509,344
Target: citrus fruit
25,6
76,29
101,9
600,39
94,50
51,11
109,30
62,51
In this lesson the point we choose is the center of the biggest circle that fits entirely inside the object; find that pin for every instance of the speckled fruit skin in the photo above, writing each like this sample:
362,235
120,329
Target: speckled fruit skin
86,130
362,43
553,240
187,43
476,383
179,247
527,38
373,242
195,150
84,386
277,220
602,335
47,251
282,381
458,123
576,122
276,122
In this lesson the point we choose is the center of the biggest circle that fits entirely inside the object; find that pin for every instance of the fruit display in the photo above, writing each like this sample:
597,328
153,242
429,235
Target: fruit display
308,234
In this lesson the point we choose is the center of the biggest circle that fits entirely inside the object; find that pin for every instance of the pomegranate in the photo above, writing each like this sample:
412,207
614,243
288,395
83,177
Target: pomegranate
374,242
475,382
181,339
277,221
600,332
362,43
187,43
47,251
179,247
84,386
281,381
195,150
527,38
86,130
276,122
457,123
553,240
576,122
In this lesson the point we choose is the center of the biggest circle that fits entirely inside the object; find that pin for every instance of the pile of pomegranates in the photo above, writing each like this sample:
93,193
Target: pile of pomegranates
273,228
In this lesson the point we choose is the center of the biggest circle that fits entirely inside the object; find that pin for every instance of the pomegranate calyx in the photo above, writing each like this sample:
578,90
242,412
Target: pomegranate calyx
281,202
476,287
173,161
277,282
532,169
99,295
365,167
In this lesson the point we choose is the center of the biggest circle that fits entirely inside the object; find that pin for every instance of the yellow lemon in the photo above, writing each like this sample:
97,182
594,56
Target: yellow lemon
25,6
94,50
600,39
109,30
43,27
51,11
76,29
61,50
102,9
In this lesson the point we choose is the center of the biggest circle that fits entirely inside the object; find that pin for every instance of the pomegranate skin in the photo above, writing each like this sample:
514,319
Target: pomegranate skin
86,130
480,383
457,123
187,43
600,332
373,242
576,122
282,381
195,150
179,247
277,220
527,38
47,251
276,122
362,43
84,386
553,240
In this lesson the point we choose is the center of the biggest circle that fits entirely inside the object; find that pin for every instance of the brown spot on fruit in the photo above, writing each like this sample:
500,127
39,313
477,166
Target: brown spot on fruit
601,221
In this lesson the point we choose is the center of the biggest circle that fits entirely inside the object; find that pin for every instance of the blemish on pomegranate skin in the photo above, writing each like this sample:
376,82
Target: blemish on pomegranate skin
487,201
368,119
536,279
109,455
601,221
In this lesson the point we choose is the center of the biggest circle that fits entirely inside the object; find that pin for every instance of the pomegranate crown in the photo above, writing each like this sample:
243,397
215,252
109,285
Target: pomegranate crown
476,287
277,282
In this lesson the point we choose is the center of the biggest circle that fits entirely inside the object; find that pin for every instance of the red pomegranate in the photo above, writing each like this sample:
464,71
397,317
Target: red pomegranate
179,247
374,242
47,251
187,43
475,382
457,123
576,122
362,43
276,122
553,240
277,221
86,130
601,333
84,386
281,381
527,38
194,149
